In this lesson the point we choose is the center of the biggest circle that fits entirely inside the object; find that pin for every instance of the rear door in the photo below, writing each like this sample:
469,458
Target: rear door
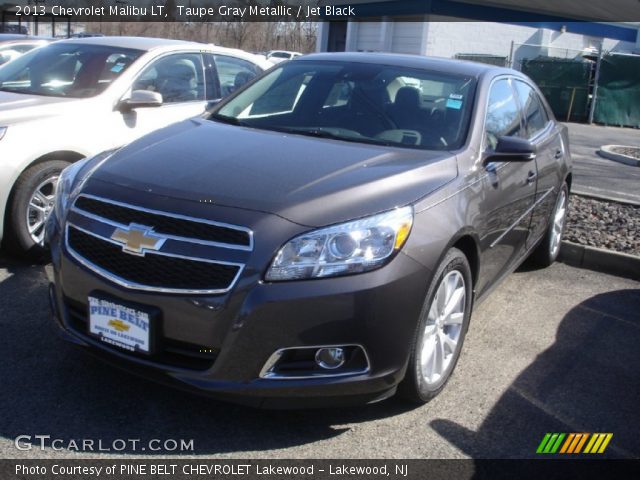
544,133
508,187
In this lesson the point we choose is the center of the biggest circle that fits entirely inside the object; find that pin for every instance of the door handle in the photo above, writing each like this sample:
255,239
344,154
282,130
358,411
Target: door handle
559,154
531,177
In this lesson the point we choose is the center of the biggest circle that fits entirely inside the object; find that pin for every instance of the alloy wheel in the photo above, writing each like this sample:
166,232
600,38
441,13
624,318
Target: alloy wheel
443,327
558,223
40,207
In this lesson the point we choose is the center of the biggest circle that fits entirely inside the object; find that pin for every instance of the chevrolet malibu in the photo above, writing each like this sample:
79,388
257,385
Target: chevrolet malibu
320,238
76,98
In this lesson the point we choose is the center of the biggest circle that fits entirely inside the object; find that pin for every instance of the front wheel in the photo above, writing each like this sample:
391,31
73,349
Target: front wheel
441,329
31,203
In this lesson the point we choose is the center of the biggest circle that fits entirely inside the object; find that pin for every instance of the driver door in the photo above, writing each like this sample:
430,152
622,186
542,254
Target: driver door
508,188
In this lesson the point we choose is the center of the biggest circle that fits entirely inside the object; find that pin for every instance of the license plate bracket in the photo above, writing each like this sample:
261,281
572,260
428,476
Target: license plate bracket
126,326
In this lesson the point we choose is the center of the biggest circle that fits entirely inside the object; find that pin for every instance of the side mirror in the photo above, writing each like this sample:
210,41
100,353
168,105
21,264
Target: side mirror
511,149
213,103
140,99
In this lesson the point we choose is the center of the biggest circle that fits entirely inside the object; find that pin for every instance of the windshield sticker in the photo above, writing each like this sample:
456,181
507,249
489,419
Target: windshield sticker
453,103
117,68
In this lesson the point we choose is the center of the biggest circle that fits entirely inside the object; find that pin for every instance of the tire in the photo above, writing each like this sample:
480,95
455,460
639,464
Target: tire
28,209
547,251
422,381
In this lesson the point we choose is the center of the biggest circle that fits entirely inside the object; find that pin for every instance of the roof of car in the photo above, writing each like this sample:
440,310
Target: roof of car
141,43
11,37
460,67
149,43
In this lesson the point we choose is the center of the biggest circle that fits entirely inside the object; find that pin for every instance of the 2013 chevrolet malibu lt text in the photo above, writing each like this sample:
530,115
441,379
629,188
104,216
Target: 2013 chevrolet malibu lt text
320,237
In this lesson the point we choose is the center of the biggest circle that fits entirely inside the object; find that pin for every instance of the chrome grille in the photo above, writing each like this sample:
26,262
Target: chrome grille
163,223
93,232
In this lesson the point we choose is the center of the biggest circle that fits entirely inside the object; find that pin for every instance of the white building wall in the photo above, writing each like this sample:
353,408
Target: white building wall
407,37
446,39
367,38
441,38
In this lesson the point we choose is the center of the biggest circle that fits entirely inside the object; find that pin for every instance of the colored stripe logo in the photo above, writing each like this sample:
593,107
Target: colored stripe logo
574,443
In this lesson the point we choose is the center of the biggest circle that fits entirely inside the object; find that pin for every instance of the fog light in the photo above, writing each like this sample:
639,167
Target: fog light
330,358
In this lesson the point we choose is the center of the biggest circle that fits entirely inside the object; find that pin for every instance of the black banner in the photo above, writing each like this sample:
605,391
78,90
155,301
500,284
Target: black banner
201,469
319,10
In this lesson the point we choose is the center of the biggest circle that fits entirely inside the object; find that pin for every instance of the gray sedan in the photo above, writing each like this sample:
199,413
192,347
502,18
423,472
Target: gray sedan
324,236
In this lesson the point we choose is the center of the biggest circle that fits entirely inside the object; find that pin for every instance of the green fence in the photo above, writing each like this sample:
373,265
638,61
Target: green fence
482,58
618,96
565,84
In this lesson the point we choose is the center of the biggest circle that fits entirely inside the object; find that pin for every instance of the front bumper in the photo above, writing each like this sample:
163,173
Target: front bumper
244,327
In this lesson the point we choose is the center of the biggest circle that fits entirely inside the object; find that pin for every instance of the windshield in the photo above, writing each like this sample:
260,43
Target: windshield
66,70
358,102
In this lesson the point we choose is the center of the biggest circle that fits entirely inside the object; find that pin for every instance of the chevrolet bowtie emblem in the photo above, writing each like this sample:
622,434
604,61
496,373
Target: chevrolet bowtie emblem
137,239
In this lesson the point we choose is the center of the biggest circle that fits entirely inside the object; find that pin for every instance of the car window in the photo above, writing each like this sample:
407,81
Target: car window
535,115
283,97
66,70
233,72
503,114
339,94
359,102
177,77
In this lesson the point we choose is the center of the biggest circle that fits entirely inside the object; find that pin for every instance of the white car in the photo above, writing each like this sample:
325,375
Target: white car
76,98
277,56
13,46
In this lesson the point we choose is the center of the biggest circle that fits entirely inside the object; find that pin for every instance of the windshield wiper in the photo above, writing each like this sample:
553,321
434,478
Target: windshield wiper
229,120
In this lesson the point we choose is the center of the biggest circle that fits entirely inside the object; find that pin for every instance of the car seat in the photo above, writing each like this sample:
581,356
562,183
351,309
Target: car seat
177,81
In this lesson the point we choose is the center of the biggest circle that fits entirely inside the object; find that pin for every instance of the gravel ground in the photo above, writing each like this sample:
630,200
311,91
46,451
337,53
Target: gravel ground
602,224
629,151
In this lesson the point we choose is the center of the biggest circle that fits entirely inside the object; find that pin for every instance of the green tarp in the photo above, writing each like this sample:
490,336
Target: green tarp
564,83
618,96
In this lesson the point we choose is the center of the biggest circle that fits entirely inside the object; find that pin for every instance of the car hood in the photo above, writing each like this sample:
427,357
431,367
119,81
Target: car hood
19,107
307,180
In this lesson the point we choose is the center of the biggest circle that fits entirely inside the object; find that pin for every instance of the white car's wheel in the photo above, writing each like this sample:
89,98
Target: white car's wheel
30,205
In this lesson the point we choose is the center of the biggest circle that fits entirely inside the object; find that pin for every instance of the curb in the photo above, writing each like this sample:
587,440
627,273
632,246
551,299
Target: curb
606,197
605,151
600,260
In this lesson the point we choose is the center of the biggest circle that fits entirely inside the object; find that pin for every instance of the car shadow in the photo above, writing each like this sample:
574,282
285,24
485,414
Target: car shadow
587,381
51,388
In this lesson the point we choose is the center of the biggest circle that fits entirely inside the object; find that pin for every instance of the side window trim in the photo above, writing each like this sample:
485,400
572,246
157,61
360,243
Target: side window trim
523,113
494,80
212,80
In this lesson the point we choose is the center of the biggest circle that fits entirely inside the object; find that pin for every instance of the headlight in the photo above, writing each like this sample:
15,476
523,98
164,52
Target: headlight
3,130
353,247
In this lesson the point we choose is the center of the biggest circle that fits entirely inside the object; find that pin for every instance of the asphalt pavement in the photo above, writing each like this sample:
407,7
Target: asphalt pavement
552,350
598,176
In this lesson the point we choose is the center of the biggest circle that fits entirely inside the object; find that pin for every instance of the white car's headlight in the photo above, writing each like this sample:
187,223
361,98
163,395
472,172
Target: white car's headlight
3,130
353,247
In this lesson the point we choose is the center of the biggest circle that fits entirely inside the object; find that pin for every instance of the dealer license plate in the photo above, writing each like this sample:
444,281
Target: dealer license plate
118,325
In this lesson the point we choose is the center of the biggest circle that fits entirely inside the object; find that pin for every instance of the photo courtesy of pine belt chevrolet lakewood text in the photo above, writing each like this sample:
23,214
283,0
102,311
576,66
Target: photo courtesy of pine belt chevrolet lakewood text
319,237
